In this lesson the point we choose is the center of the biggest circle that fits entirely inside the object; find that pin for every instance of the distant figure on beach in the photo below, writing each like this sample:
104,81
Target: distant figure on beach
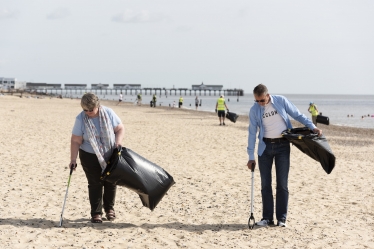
180,101
154,100
139,97
120,99
94,151
174,104
314,111
220,109
196,102
269,116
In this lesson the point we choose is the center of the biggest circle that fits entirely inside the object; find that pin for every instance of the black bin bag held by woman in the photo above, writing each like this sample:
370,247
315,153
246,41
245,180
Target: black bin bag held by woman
127,168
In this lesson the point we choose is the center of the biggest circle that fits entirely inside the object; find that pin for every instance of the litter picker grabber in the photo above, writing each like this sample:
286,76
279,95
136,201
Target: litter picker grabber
66,194
251,220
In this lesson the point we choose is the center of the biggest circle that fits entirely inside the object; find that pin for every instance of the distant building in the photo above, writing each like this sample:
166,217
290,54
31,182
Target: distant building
99,86
42,86
7,83
127,86
75,86
20,85
207,87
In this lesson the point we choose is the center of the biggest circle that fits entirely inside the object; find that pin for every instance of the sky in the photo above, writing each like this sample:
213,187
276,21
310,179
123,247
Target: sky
294,47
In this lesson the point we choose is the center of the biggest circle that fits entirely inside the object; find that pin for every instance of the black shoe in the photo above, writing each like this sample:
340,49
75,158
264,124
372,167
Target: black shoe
224,123
220,124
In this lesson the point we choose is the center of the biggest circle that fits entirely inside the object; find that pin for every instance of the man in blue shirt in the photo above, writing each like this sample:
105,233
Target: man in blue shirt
269,116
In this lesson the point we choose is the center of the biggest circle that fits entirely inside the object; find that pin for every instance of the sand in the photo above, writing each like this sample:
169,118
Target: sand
209,205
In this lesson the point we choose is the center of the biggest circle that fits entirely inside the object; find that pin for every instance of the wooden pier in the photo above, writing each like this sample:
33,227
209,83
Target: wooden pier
144,91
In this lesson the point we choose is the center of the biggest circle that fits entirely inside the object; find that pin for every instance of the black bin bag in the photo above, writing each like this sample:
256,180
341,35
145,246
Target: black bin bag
232,116
323,120
127,168
315,147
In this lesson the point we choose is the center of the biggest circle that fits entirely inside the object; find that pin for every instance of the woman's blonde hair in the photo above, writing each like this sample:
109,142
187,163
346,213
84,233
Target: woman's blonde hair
90,101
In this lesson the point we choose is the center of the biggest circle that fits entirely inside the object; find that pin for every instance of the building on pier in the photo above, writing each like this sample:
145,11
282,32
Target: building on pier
75,86
127,86
42,86
207,87
99,86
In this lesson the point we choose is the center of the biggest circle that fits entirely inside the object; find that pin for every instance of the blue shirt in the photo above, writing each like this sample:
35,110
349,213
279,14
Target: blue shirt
284,108
79,128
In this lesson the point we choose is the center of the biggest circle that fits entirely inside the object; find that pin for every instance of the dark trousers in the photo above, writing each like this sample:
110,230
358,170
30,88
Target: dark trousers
280,154
101,193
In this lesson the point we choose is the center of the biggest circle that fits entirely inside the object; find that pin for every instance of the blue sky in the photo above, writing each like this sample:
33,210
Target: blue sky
319,47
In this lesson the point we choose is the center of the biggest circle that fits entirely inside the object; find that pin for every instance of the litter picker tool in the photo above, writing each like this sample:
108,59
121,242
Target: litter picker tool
251,220
66,194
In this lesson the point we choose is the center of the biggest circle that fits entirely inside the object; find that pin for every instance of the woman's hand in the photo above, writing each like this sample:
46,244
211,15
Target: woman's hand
73,164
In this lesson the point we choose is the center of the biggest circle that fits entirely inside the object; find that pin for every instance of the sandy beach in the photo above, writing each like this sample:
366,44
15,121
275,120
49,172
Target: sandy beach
209,205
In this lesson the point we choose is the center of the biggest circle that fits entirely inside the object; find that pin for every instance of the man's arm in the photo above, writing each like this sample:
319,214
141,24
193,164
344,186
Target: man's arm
292,110
252,131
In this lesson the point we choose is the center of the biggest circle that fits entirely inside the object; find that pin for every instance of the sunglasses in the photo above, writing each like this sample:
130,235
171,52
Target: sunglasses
262,100
88,110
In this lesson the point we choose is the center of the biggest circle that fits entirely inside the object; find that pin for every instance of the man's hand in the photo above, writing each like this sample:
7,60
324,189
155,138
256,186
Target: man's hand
318,131
249,164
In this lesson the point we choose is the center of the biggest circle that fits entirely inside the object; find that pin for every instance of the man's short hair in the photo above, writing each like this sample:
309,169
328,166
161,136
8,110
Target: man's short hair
260,90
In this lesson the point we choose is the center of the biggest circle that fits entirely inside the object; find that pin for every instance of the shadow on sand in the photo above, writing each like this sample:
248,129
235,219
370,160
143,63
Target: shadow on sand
80,223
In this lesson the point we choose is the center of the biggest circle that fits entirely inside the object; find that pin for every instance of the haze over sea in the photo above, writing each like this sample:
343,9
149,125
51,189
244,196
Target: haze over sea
336,107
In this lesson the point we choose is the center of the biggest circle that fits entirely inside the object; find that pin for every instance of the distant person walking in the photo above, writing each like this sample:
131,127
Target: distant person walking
120,99
196,102
180,101
154,100
139,97
314,111
220,109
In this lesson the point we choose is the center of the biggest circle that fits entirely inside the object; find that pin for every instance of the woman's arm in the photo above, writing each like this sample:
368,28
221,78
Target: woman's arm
76,142
119,132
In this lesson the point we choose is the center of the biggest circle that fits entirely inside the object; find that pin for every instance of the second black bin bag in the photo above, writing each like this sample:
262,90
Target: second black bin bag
127,168
232,116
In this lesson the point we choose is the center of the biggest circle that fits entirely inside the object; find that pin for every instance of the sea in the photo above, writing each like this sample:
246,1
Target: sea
342,110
